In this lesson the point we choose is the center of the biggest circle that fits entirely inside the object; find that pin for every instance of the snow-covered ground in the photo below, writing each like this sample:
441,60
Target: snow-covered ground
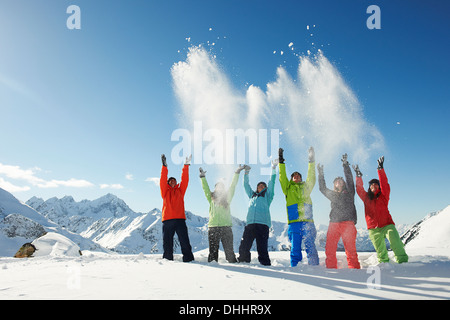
57,271
98,275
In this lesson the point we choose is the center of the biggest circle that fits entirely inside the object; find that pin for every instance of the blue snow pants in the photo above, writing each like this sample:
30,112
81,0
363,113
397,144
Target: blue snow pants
305,232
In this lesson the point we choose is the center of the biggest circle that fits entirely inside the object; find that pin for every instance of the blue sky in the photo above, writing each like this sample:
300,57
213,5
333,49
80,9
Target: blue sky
87,112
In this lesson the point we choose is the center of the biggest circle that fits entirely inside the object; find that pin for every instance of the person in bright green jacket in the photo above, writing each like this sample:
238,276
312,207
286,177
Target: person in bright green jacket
220,222
299,210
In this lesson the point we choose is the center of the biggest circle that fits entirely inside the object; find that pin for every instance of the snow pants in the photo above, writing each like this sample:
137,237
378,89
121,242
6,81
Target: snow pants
253,231
305,232
224,234
346,230
178,226
378,236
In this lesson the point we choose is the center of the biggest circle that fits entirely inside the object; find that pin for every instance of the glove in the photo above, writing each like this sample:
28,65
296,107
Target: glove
320,169
164,161
202,173
240,168
188,160
357,171
344,160
380,162
311,154
280,155
247,169
275,163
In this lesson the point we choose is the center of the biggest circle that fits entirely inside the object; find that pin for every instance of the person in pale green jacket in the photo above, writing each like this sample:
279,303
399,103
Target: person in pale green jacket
299,210
220,222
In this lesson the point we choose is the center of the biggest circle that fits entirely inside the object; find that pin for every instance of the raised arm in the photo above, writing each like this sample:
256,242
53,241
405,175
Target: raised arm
322,185
310,179
348,175
284,181
359,183
384,185
271,186
185,175
247,188
232,188
163,179
205,185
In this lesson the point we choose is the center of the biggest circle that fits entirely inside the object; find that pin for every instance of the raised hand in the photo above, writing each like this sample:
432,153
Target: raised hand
311,154
202,172
345,160
280,155
357,171
380,162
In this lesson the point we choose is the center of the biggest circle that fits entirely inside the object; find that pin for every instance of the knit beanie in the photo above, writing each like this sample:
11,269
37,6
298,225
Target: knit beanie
374,181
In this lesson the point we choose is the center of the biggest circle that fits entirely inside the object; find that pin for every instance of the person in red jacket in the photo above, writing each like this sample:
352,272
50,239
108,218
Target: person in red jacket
173,214
379,220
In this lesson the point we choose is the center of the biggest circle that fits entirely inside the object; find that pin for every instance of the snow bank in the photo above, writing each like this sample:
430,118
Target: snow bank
55,245
110,276
433,235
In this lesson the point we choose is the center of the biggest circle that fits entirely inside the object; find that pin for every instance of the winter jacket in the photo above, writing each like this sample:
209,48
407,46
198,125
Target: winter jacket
258,206
298,200
376,209
342,203
220,216
173,198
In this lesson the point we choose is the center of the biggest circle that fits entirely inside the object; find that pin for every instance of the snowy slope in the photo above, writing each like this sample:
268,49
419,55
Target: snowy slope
105,276
10,205
431,235
62,274
97,275
19,223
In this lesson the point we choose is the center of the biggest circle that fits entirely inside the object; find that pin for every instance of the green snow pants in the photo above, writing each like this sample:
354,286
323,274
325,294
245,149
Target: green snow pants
378,236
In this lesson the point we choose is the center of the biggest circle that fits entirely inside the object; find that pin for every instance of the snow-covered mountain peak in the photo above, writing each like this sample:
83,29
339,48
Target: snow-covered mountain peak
57,210
20,223
112,202
68,199
155,212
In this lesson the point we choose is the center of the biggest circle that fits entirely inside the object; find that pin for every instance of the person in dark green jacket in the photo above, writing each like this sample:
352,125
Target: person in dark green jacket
299,210
220,222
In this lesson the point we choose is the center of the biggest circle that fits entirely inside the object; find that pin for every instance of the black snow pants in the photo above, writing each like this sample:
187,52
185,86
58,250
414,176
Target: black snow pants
169,229
253,231
224,234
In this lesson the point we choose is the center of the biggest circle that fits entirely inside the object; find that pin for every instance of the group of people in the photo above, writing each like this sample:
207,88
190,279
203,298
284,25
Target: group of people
301,229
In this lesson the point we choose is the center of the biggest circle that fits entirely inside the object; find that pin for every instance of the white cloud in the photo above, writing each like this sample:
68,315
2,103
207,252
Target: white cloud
8,186
15,172
29,175
116,186
129,176
154,180
74,183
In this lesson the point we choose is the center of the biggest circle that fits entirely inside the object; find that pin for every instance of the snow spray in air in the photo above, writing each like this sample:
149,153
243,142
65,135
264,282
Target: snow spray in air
316,109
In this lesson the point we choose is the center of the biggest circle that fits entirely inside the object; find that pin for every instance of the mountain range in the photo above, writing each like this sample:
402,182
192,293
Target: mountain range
108,224
19,223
